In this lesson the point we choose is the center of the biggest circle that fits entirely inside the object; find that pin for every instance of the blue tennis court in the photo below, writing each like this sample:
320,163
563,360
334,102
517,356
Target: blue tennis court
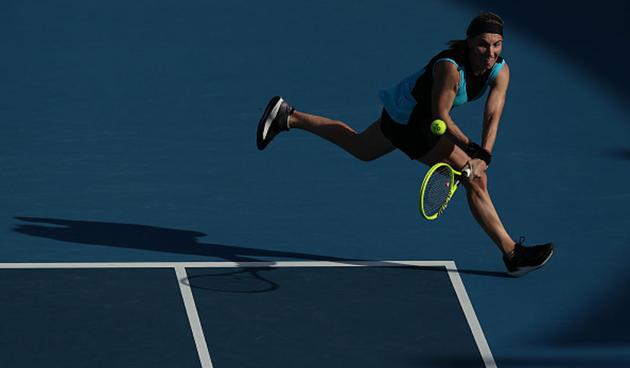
141,227
240,315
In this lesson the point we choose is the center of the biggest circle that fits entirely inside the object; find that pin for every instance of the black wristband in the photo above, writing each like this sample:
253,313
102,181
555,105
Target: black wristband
473,150
484,155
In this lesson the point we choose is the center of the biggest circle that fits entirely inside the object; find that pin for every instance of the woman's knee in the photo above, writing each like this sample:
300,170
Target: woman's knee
477,185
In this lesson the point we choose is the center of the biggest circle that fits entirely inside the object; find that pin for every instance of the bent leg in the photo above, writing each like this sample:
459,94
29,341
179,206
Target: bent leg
486,215
479,199
366,146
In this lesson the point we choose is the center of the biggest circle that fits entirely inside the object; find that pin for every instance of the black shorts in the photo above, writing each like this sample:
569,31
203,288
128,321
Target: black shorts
414,139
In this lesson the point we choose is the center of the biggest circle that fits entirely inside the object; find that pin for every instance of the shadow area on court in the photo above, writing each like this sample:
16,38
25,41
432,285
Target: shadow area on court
557,361
176,241
584,33
340,317
519,362
602,327
531,359
444,361
93,318
150,238
618,153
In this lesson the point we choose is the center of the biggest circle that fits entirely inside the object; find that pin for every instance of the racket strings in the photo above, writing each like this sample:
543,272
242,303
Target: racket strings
437,191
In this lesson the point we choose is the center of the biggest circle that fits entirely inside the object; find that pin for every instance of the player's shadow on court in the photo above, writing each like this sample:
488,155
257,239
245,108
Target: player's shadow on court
172,241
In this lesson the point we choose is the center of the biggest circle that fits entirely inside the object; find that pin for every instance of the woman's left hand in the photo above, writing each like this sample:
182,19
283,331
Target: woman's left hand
478,168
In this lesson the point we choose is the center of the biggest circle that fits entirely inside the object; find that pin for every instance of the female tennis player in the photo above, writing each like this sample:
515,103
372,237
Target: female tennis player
462,73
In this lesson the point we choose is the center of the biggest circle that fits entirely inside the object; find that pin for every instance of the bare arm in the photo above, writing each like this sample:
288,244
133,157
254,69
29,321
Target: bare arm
442,96
494,108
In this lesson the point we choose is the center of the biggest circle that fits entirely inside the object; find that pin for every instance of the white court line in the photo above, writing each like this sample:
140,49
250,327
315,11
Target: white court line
280,264
193,317
471,316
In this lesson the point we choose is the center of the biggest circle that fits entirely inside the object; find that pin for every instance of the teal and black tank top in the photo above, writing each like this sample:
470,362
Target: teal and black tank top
409,102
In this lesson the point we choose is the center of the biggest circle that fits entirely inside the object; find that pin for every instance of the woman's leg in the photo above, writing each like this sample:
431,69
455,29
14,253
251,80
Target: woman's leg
478,196
366,146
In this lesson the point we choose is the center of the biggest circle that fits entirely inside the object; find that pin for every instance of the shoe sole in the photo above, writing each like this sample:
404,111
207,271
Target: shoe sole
525,270
265,121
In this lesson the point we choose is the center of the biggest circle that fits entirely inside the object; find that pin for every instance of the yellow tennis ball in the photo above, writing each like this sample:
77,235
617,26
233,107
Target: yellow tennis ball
438,127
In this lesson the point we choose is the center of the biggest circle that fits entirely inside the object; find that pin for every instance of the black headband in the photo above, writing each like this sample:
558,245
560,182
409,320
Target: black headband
476,29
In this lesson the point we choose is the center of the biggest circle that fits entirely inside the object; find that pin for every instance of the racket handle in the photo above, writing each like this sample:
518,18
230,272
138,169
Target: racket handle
466,172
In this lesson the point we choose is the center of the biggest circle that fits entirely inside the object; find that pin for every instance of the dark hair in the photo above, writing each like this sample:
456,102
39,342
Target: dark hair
480,20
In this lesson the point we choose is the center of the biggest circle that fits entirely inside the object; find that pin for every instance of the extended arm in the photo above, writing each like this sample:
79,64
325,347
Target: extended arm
494,108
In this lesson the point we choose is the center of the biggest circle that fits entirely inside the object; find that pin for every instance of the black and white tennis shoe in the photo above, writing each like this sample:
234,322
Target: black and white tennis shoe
274,120
526,259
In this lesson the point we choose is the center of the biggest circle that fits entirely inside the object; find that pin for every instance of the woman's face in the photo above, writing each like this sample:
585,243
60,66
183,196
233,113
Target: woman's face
484,50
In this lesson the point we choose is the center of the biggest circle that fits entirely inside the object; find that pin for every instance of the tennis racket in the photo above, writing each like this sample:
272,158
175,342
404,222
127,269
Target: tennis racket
437,189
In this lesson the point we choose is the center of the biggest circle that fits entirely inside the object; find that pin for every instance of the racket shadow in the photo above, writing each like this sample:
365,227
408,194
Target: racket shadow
249,280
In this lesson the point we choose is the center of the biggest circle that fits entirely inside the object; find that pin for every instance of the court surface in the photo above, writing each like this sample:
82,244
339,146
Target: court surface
140,226
239,314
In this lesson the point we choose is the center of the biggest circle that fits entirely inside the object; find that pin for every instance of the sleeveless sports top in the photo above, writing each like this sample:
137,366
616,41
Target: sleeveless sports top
410,99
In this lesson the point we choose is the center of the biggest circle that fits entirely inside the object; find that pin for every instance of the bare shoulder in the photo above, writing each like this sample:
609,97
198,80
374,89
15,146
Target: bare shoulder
446,74
504,76
445,68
